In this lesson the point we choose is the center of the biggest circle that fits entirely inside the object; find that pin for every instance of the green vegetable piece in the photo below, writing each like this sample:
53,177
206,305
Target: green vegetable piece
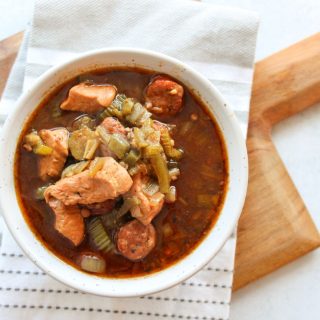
99,236
115,109
113,219
132,157
147,127
92,263
35,143
127,106
90,149
33,139
104,114
169,150
40,192
145,116
138,115
139,137
118,101
152,150
128,204
74,169
104,135
42,150
115,112
78,140
159,165
118,145
151,188
83,121
96,165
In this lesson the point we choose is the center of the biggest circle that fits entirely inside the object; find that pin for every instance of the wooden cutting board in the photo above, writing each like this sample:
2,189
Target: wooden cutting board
275,227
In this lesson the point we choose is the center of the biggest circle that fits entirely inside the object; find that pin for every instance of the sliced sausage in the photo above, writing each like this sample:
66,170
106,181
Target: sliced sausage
164,96
135,240
68,221
52,165
89,98
109,182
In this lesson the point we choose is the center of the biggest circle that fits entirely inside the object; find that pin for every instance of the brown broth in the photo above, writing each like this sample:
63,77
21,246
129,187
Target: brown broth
203,170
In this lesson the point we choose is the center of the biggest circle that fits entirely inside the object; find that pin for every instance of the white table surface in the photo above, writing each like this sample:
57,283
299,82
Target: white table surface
293,292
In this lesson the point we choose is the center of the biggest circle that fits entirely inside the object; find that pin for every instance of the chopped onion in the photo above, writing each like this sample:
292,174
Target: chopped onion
156,199
174,173
171,196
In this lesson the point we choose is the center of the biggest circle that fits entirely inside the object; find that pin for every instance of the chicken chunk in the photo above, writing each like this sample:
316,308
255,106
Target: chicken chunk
52,165
149,206
164,96
109,182
68,220
89,98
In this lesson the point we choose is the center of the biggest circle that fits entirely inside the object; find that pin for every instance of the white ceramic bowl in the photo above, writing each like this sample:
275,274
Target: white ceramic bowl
238,173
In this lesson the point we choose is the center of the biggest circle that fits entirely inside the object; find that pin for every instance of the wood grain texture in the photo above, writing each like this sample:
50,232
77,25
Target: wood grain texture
275,226
8,52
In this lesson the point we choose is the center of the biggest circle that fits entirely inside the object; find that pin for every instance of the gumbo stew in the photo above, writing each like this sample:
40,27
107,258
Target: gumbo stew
121,172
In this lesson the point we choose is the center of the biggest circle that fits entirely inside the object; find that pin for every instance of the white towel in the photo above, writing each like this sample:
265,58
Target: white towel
220,43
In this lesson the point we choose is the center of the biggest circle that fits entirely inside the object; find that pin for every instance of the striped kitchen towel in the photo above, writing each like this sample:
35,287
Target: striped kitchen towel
220,43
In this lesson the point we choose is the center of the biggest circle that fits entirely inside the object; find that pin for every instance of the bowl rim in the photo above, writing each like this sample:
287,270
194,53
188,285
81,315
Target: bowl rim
229,228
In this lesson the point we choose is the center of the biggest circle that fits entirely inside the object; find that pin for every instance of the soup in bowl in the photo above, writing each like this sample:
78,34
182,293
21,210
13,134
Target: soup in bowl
127,175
